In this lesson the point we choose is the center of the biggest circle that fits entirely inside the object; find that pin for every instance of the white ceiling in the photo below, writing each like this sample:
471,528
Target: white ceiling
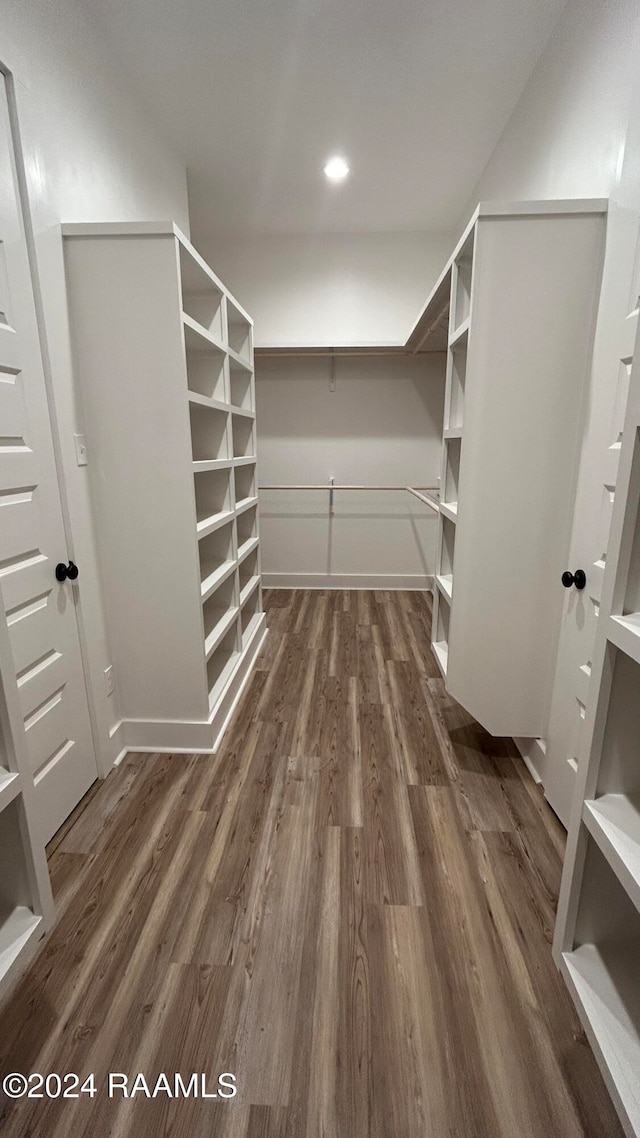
257,93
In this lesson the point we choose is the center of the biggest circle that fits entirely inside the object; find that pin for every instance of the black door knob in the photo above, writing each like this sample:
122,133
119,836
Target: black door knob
579,579
63,571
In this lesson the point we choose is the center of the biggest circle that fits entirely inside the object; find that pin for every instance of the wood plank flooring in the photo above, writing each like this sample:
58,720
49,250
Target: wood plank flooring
349,907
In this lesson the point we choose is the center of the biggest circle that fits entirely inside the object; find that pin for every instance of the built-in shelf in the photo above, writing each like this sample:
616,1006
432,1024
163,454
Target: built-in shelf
460,333
216,578
624,632
248,460
219,630
212,498
209,525
212,464
202,293
244,478
206,375
243,435
236,361
614,822
248,589
239,335
18,926
441,652
9,787
245,504
604,984
215,554
209,433
441,631
222,664
251,624
205,401
445,584
198,339
450,511
247,547
456,384
241,384
447,548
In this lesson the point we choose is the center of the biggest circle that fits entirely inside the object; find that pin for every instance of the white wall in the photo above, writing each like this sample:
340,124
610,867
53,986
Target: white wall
566,136
332,290
382,425
90,153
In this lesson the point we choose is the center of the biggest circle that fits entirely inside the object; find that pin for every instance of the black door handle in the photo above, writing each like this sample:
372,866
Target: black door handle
63,571
579,579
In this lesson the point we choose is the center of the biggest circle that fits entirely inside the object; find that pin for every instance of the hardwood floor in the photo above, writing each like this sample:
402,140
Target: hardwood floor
349,907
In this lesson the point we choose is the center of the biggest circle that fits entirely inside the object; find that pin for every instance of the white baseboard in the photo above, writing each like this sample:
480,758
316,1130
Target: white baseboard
422,581
175,735
185,737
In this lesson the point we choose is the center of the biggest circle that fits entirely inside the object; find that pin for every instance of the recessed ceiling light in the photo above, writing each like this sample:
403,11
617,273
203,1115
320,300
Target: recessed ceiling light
336,169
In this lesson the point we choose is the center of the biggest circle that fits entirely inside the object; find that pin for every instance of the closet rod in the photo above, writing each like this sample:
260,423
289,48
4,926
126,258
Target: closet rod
323,353
430,502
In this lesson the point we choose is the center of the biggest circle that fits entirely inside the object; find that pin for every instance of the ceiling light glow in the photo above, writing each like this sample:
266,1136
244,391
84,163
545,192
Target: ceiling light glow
336,169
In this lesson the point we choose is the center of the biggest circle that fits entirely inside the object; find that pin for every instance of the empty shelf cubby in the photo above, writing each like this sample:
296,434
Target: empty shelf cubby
241,389
209,439
221,663
239,332
17,916
451,471
619,770
248,574
243,437
447,547
602,971
212,495
202,300
464,270
216,611
458,372
442,627
249,616
206,375
245,482
216,555
247,528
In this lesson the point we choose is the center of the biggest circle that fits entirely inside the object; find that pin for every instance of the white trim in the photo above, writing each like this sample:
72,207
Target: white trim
166,735
421,581
190,737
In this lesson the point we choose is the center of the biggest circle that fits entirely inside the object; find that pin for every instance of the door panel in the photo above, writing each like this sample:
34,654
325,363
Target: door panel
40,612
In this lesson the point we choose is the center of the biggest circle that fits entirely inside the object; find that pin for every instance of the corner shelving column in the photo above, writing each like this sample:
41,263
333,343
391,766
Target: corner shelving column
219,353
597,939
163,367
459,325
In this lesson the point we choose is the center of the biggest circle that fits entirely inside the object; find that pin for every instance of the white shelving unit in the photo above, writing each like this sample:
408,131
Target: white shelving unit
163,356
597,939
26,905
515,375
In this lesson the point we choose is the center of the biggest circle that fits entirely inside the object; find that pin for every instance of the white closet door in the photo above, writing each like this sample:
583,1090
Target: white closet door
39,611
